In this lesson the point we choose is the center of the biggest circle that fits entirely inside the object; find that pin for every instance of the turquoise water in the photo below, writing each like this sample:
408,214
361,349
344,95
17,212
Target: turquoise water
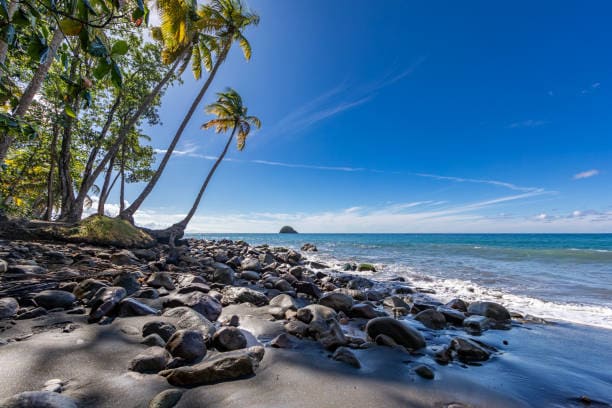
559,276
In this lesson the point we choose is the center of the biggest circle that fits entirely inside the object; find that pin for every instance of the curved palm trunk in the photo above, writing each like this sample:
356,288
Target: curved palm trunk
32,89
128,213
50,176
105,187
90,178
180,226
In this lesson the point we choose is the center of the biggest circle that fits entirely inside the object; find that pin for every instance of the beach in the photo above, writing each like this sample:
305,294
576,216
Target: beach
301,327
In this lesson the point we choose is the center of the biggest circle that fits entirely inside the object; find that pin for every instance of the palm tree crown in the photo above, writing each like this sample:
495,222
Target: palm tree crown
231,113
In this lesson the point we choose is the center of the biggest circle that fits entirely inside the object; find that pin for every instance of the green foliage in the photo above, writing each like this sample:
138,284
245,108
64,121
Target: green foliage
103,230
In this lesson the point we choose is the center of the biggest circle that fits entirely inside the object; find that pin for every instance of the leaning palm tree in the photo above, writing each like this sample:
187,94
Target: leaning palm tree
226,20
231,114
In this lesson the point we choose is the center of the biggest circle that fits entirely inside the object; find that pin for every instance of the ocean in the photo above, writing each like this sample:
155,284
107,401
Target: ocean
565,277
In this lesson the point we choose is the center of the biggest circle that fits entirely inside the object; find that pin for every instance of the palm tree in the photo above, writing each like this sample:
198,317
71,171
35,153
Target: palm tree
225,21
231,114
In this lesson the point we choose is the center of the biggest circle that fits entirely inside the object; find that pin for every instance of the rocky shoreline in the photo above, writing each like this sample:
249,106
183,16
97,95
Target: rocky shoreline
150,327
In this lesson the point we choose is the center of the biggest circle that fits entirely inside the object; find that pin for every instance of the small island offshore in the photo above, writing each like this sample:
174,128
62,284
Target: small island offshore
462,255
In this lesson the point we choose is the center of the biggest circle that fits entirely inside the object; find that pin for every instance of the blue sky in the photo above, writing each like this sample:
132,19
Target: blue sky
402,116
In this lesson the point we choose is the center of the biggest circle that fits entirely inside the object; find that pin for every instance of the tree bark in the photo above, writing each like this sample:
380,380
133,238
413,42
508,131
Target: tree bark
181,225
122,185
105,187
128,213
32,89
50,176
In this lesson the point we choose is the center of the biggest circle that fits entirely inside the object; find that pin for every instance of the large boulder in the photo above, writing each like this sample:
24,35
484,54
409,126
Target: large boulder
87,288
233,294
223,274
132,307
105,300
222,367
190,319
161,280
401,333
287,230
492,310
204,304
431,319
8,308
51,299
128,281
468,351
229,338
151,360
187,344
165,330
337,301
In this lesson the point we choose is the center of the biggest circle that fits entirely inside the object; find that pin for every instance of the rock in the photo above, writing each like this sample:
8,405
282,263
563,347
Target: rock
468,351
359,283
146,254
366,267
457,304
3,266
204,304
453,316
229,338
132,307
282,341
52,299
128,281
431,319
287,230
148,293
402,334
250,276
309,248
152,360
105,300
337,301
223,274
53,385
124,257
324,326
26,269
251,264
153,340
492,310
38,399
32,313
424,371
283,285
364,310
308,288
222,367
233,294
190,319
347,356
162,329
87,288
8,308
187,344
297,328
395,301
161,280
476,324
166,399
284,302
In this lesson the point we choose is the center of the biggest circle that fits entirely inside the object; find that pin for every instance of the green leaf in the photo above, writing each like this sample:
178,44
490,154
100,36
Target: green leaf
119,48
102,69
9,34
84,39
116,75
4,8
70,27
97,48
68,111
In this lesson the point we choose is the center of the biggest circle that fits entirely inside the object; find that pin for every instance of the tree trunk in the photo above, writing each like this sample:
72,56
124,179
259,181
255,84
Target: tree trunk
50,176
32,89
122,185
4,45
88,182
128,213
181,225
105,187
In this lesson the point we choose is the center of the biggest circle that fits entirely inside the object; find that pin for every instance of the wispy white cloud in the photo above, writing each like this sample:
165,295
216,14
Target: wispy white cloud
479,181
586,174
531,123
335,101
